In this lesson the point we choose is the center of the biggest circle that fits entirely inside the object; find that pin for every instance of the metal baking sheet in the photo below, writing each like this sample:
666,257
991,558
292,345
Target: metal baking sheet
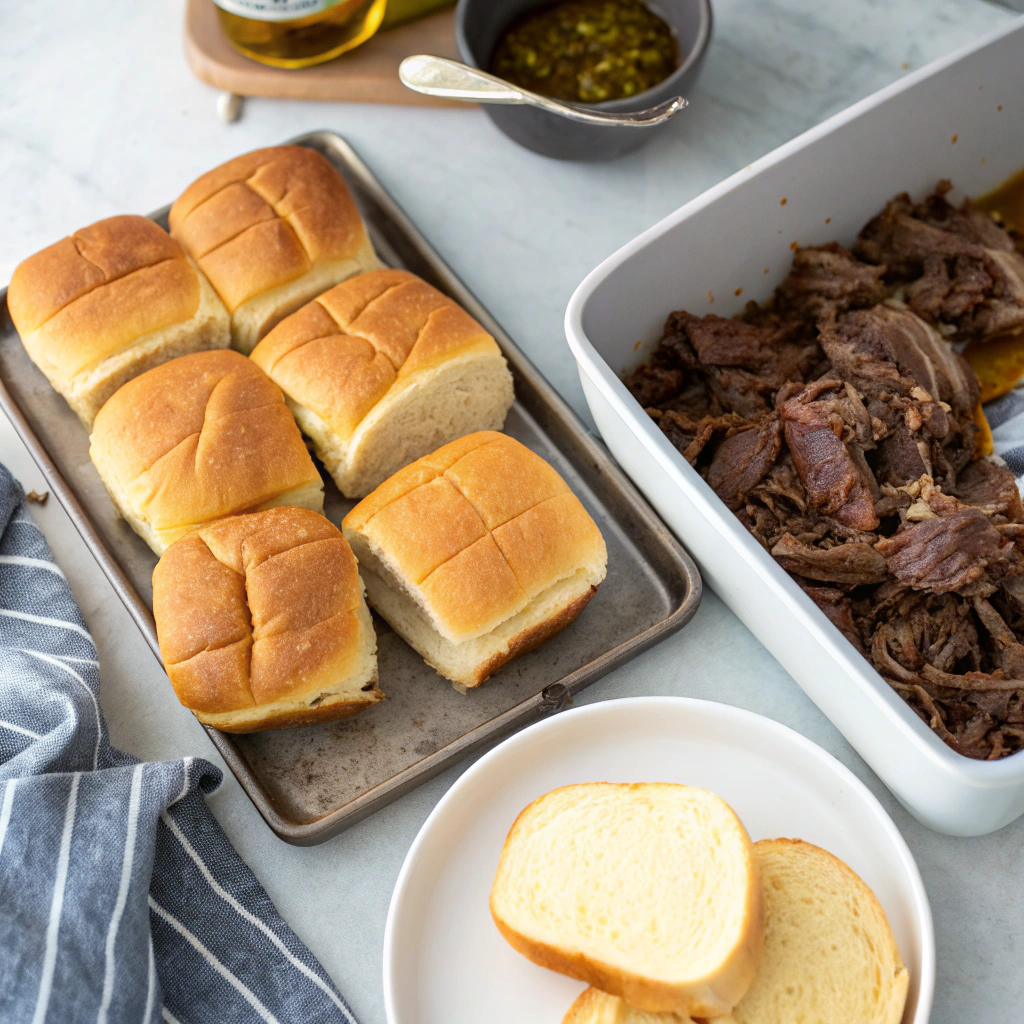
311,783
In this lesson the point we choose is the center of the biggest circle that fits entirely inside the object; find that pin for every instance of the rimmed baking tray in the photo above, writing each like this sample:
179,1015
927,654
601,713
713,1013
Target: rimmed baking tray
311,783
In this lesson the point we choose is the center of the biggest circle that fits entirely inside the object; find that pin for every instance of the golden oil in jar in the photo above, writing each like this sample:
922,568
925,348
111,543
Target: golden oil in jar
297,33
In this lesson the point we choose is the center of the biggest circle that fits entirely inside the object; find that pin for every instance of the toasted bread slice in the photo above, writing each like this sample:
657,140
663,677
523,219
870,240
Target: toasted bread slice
829,954
648,891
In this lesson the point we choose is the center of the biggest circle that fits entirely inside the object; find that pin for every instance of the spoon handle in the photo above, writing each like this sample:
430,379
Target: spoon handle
451,80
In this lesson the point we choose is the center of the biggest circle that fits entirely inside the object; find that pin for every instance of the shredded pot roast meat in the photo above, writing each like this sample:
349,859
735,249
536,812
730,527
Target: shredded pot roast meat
838,422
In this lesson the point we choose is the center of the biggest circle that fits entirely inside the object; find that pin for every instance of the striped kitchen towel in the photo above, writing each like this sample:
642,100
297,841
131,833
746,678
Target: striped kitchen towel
120,897
1006,418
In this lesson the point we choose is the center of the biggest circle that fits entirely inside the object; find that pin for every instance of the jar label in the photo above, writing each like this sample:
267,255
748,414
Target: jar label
275,10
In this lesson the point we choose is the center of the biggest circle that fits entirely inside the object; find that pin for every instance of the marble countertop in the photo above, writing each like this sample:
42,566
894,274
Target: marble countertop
102,116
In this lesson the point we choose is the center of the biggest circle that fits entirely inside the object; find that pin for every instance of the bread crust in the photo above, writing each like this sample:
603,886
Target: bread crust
534,637
596,1007
109,302
706,1001
294,719
197,439
262,622
708,997
266,220
348,356
593,1006
893,1012
111,250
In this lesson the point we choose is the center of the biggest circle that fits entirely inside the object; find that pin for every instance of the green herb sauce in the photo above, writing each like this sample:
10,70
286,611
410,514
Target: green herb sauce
587,51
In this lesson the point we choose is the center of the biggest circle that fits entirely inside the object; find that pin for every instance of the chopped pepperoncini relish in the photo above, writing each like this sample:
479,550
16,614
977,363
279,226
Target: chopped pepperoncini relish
587,51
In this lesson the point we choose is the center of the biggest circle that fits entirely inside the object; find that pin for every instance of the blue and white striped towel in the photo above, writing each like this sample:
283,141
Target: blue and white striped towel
120,898
1006,418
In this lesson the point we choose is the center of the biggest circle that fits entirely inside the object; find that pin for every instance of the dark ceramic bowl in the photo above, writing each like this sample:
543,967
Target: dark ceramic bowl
479,25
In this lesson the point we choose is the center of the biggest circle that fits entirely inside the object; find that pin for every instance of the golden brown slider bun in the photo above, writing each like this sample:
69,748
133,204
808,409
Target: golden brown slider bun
271,229
197,439
109,302
476,554
382,369
262,622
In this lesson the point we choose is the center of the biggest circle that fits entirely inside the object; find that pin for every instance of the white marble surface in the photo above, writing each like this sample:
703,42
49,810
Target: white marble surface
100,115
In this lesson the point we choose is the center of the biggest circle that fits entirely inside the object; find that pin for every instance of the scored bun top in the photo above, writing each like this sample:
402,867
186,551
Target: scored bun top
340,354
200,437
257,609
266,218
475,531
89,295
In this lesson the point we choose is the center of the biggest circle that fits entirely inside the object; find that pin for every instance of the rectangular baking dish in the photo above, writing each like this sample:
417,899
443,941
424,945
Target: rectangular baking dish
960,118
311,783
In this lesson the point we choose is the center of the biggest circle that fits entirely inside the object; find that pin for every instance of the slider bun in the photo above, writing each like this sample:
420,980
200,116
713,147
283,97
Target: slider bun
107,303
197,439
262,622
271,229
382,369
476,554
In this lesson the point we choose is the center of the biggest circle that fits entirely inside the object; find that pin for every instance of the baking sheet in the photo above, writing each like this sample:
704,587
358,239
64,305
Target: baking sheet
311,783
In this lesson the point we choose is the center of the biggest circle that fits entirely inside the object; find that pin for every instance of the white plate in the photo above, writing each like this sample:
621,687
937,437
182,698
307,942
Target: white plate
444,961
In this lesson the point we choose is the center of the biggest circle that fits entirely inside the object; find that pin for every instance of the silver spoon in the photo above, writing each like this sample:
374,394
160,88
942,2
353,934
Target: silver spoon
452,80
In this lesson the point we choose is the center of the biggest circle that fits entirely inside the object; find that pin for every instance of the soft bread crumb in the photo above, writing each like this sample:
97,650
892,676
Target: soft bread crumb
829,953
468,664
648,891
255,317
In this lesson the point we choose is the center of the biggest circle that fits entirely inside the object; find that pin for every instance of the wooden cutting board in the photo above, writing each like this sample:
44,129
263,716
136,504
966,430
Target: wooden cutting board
368,74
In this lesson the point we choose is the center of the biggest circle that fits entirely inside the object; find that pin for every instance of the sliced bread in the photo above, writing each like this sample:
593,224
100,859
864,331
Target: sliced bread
596,1007
648,891
829,953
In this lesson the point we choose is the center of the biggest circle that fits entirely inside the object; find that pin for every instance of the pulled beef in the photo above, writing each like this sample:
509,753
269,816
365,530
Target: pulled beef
850,565
957,268
920,393
827,280
768,351
838,424
1007,651
990,487
741,461
653,385
836,606
837,485
740,365
960,552
692,436
778,505
903,456
889,350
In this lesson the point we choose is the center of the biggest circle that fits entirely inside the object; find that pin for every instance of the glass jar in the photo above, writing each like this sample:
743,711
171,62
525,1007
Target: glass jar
298,33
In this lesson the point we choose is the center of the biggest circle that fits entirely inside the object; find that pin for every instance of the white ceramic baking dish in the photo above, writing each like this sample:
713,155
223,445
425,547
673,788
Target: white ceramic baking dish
960,118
